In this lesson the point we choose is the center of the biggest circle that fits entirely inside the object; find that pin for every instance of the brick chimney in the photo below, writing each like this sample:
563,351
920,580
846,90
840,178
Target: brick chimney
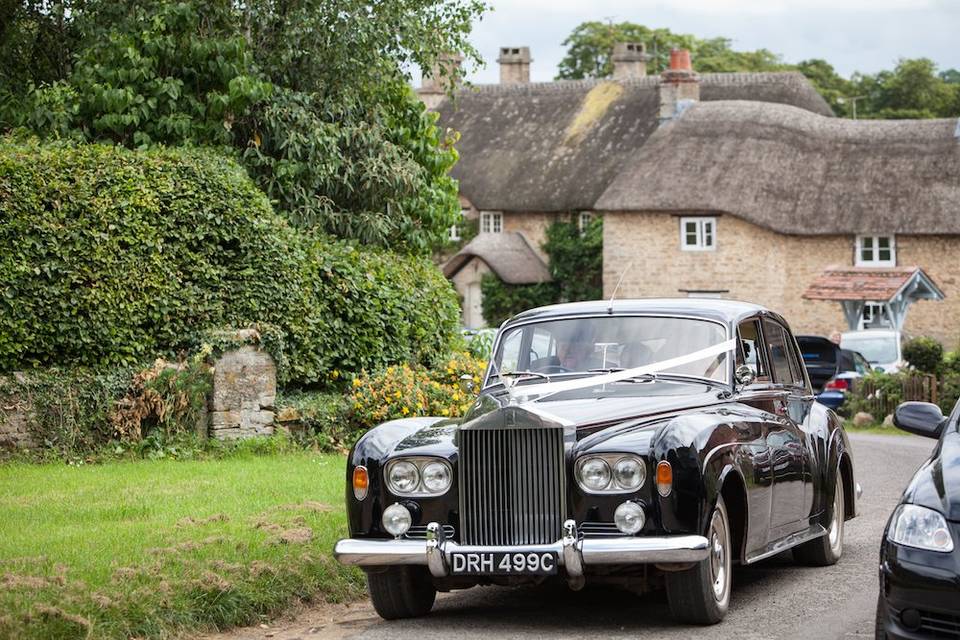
514,65
629,60
436,81
679,86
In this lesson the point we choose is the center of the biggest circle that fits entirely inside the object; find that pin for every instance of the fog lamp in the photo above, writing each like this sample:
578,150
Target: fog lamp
396,519
629,518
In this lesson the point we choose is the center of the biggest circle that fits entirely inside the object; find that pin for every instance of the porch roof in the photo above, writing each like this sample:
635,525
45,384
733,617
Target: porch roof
873,284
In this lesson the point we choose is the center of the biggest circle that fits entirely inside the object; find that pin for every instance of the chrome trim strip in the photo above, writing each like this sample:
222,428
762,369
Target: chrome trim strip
573,553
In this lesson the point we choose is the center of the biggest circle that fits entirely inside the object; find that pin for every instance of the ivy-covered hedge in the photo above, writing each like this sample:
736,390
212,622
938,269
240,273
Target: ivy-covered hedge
110,256
502,300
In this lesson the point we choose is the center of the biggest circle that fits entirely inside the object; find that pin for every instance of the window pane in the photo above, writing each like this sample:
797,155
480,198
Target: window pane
750,348
883,242
866,249
485,223
707,234
779,353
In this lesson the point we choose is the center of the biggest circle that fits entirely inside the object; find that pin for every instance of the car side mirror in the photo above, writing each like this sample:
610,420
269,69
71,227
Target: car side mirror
745,375
921,418
466,381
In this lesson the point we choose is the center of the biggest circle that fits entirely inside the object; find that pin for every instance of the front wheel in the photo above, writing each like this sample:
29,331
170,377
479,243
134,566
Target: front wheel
401,592
826,550
701,595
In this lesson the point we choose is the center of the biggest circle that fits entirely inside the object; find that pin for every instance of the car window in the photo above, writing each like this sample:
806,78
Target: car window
750,350
861,364
782,358
817,350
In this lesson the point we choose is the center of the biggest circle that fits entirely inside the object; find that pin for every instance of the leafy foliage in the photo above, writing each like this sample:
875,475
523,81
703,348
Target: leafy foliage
590,47
502,301
576,259
111,257
925,354
311,94
405,391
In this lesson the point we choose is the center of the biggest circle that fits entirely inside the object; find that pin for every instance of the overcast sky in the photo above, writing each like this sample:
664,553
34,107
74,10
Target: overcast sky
853,35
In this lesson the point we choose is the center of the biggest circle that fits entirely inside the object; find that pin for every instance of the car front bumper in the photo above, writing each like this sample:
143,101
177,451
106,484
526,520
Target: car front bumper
573,551
919,593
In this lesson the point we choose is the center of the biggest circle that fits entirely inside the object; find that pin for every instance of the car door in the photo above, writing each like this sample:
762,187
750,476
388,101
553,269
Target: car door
786,438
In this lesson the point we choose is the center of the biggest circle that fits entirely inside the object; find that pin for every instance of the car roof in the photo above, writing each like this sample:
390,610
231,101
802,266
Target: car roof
722,310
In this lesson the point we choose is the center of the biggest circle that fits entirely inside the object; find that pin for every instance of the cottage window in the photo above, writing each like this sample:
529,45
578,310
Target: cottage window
876,251
874,316
698,234
583,220
455,229
491,222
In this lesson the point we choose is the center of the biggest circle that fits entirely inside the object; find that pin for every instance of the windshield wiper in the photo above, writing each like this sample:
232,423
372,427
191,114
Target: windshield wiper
643,377
521,374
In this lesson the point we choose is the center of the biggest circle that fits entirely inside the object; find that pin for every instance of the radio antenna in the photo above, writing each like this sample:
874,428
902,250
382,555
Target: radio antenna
617,288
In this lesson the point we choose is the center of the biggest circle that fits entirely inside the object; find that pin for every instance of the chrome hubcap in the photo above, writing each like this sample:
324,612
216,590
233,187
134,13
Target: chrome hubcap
718,555
836,522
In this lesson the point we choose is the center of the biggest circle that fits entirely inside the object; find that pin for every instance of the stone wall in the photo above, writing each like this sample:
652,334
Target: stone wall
758,265
244,394
14,414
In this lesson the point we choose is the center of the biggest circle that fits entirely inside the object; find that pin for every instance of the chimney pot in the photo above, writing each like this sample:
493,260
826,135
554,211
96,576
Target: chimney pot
514,65
680,60
629,60
437,80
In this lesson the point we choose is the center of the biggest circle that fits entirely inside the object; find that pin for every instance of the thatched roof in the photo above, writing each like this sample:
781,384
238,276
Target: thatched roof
509,255
555,146
797,172
871,283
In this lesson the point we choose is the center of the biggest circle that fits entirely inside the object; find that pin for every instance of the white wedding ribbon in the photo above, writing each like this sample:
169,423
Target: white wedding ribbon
550,388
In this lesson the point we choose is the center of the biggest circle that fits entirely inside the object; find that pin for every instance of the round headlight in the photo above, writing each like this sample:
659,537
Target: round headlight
629,473
629,518
396,519
436,477
403,477
595,474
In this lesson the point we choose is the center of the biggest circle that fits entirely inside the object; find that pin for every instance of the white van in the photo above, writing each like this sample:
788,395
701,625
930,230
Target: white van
883,348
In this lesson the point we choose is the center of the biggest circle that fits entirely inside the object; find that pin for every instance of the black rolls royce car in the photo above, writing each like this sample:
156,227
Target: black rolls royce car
920,553
643,443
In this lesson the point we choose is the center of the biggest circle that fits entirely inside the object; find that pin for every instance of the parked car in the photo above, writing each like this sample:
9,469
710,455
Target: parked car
883,348
920,554
623,443
851,367
825,359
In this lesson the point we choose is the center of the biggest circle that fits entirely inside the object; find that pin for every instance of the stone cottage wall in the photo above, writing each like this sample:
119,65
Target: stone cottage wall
14,413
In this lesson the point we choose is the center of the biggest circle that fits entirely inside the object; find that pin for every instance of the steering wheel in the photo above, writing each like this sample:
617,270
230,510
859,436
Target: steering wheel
555,368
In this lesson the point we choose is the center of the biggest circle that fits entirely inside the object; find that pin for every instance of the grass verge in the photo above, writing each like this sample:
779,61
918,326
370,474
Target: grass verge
157,548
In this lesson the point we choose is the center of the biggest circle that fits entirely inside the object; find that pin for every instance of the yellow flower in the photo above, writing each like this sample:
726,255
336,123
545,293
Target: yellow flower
476,378
357,383
398,395
335,373
405,411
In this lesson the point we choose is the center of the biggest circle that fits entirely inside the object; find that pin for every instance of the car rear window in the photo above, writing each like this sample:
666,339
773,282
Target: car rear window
817,350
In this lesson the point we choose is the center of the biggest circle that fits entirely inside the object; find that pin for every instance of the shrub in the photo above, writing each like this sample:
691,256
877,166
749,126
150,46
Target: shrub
576,259
501,300
405,391
925,354
323,417
111,257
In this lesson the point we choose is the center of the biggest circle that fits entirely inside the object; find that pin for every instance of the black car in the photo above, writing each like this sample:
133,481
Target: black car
639,443
920,554
825,360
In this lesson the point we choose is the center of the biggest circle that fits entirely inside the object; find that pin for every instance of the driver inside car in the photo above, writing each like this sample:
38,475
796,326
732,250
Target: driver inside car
575,352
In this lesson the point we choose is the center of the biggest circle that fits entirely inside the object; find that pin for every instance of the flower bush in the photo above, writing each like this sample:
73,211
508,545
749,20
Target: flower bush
406,391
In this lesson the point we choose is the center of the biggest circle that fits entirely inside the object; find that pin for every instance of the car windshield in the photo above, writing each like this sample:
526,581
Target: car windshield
876,349
602,344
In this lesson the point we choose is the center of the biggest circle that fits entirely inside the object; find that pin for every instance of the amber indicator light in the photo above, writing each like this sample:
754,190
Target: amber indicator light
664,478
361,481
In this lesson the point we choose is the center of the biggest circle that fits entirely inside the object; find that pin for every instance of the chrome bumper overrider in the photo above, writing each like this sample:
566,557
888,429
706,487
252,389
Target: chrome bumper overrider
574,552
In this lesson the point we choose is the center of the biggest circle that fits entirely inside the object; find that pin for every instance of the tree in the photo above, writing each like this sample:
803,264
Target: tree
590,48
913,89
835,89
312,95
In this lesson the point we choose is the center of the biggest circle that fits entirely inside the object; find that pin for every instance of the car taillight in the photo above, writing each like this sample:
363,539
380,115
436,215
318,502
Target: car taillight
838,384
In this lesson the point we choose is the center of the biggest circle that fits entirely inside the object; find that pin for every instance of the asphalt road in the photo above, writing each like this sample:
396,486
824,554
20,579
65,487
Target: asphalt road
772,599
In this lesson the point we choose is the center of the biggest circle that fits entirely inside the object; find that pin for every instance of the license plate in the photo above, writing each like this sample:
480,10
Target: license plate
499,563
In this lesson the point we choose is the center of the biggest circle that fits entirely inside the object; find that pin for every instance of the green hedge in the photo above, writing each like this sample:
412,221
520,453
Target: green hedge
110,256
502,301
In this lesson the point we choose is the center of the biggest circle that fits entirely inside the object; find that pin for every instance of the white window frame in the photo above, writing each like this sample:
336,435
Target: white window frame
706,240
871,311
491,222
583,220
455,229
874,248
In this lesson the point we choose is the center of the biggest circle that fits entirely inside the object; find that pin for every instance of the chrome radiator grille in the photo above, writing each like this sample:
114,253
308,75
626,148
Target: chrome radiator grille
513,485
